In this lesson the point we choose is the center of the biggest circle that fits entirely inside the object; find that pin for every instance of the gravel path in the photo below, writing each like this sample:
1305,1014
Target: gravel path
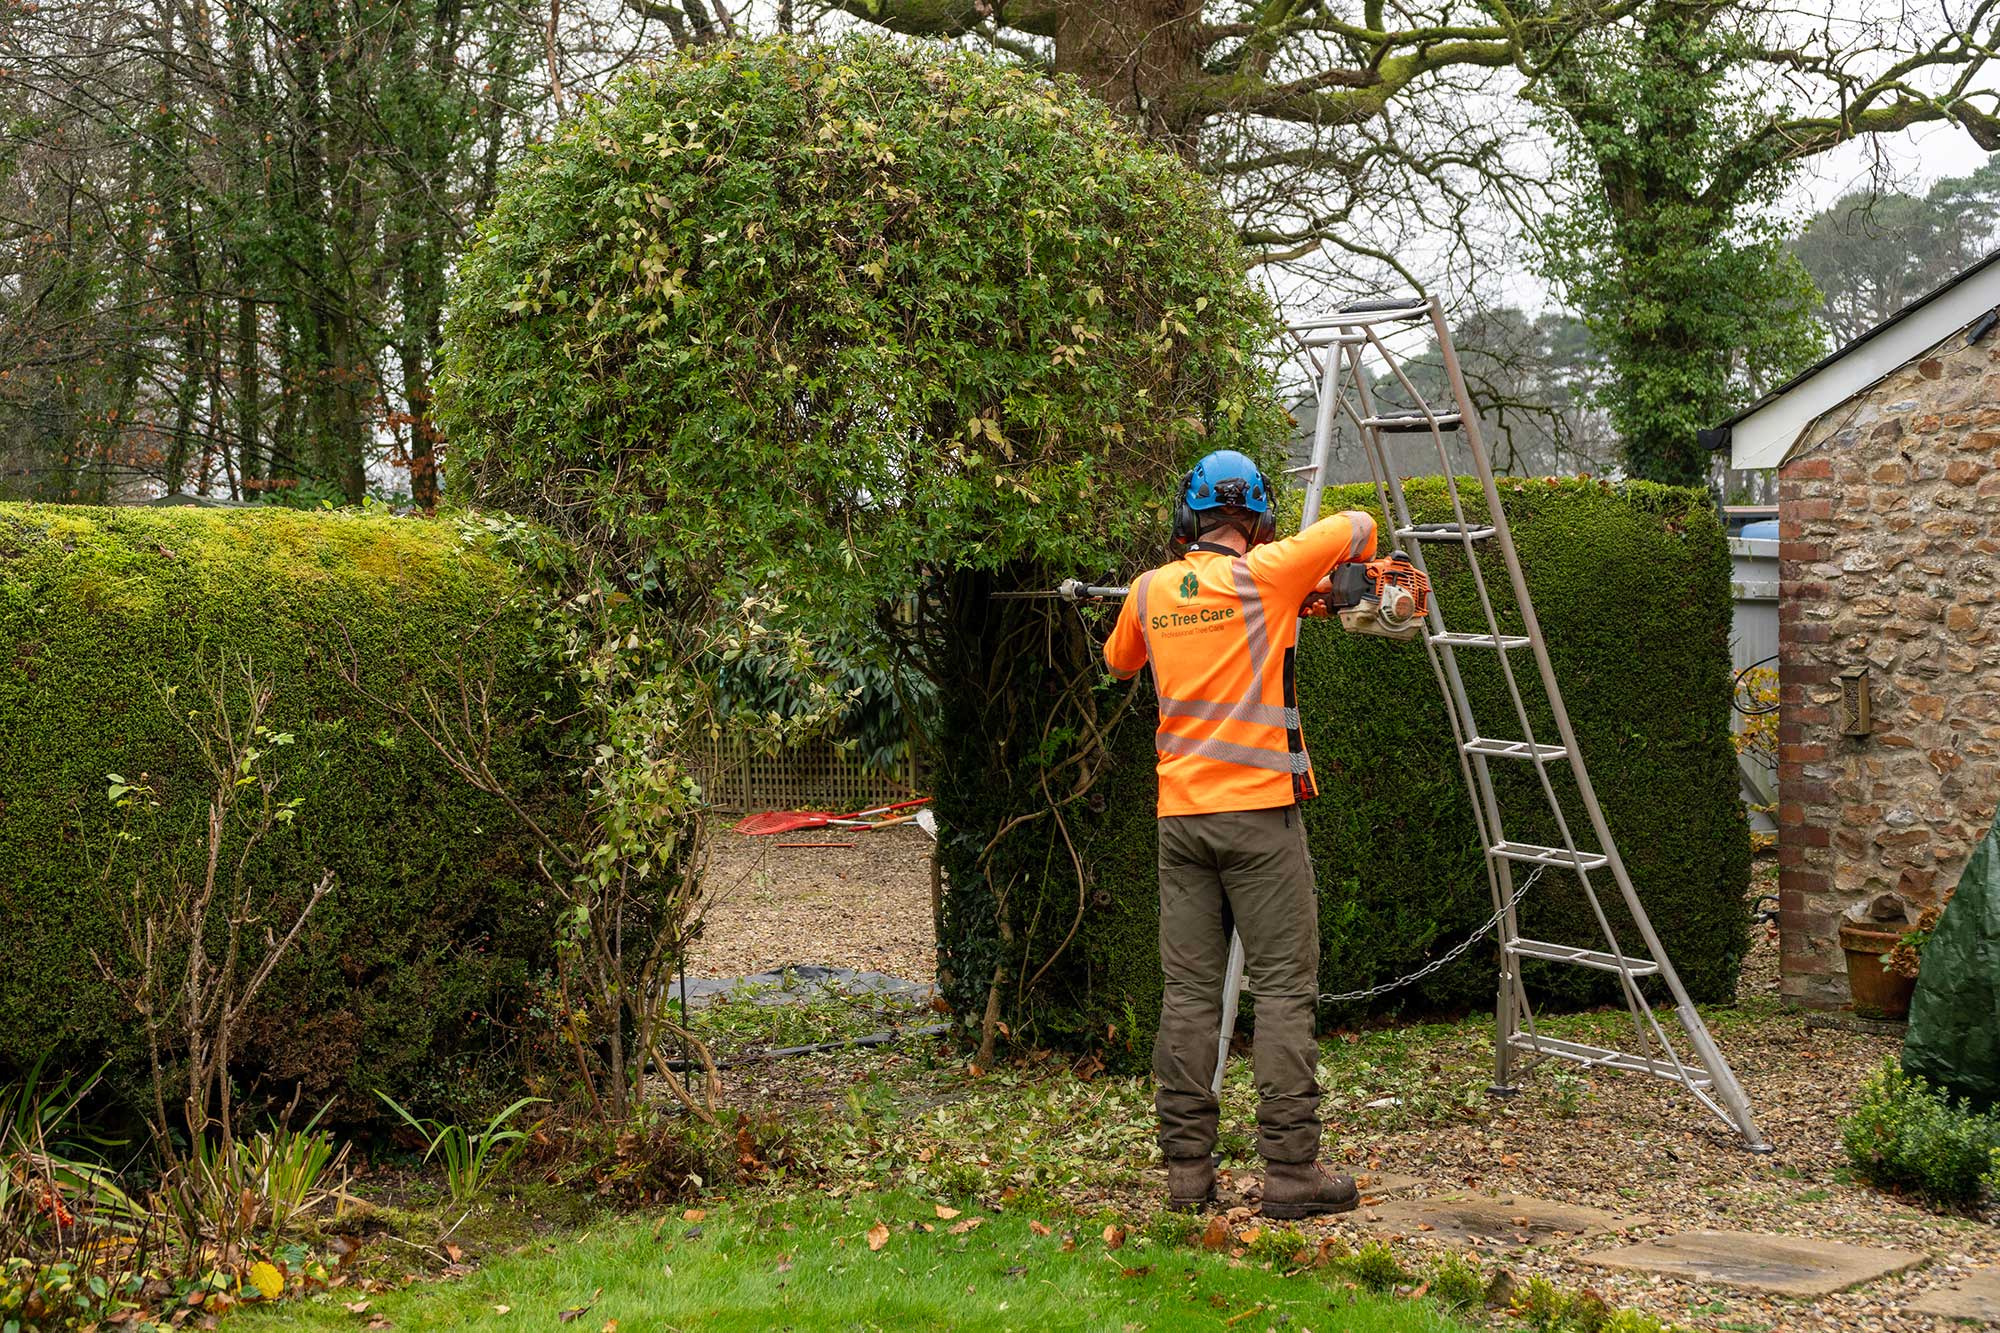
867,906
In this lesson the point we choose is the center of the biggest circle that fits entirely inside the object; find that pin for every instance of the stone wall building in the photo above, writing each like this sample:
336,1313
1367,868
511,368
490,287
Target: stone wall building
1888,459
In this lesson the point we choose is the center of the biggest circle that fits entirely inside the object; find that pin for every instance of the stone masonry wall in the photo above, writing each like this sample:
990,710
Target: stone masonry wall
1889,520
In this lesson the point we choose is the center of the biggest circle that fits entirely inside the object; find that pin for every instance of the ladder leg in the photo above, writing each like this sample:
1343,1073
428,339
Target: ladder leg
1722,1078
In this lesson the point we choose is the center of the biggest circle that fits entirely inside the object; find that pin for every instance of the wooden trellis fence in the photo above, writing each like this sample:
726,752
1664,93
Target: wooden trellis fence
813,776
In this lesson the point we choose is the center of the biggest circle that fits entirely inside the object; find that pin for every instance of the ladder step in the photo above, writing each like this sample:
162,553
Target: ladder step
1603,1058
1563,953
1495,748
1412,423
1451,640
1560,857
1443,532
1303,467
1377,312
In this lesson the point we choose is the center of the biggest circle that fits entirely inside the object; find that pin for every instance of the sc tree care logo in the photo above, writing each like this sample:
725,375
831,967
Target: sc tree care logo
1190,585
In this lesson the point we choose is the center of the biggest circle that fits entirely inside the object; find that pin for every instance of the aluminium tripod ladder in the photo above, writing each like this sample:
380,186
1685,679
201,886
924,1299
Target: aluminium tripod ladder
1347,342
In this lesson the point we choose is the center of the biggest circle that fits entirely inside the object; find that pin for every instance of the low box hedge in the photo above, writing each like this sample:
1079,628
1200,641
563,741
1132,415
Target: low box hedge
1631,585
409,974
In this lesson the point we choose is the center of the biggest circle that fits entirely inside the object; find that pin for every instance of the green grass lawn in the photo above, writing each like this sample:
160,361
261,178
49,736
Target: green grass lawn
809,1265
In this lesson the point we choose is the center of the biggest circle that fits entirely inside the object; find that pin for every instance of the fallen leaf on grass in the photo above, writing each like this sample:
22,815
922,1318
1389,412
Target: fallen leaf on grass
878,1236
453,1253
1140,1271
694,1214
379,1322
960,1228
352,1307
577,1312
1218,1236
1250,1237
1038,1228
503,1309
1114,1236
1069,1243
946,1213
610,1326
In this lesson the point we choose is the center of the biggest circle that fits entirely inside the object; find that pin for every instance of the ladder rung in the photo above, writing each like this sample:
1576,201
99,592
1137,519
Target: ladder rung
1411,423
1480,640
1442,532
1332,339
1603,1058
1303,467
1560,857
1504,749
1563,953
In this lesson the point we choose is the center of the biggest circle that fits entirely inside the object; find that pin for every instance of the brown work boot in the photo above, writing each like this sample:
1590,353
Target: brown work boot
1190,1183
1306,1189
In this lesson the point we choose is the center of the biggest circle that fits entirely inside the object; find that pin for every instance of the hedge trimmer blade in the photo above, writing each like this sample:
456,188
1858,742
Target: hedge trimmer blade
792,821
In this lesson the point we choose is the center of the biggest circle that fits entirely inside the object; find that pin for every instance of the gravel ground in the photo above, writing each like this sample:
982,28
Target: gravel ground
867,906
1638,1149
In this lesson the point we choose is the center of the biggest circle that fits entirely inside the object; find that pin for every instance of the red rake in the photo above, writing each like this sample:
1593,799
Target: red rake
791,821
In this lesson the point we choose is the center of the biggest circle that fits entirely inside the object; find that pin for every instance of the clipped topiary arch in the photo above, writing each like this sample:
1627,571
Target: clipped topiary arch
844,316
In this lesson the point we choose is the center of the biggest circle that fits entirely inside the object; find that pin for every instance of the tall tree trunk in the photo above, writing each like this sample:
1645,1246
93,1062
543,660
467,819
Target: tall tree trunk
1134,54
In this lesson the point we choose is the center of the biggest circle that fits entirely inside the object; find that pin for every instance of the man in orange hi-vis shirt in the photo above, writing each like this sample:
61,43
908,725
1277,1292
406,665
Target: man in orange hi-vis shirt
1219,626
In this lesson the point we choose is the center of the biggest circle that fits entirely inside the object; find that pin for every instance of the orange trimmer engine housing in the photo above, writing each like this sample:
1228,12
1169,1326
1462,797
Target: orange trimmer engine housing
1388,597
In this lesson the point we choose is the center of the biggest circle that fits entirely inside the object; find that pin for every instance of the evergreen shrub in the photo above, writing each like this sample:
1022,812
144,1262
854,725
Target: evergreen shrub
1909,1137
1631,586
840,317
406,972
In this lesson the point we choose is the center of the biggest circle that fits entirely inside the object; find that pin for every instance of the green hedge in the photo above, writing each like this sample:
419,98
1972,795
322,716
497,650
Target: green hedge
1631,585
436,924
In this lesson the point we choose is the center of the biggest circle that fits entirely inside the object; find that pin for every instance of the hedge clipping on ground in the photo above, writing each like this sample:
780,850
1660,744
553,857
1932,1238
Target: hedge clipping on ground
1631,584
435,928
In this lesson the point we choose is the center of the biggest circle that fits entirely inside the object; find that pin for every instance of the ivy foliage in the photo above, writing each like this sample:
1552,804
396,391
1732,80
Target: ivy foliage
1674,251
839,316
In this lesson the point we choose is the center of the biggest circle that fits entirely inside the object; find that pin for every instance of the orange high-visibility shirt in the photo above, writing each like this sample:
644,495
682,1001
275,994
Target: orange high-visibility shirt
1220,631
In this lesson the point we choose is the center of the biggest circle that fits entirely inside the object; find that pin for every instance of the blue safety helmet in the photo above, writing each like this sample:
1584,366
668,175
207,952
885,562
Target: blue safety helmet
1224,479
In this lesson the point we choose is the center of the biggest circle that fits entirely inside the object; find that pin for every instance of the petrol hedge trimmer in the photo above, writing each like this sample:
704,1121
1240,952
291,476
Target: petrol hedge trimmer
1386,598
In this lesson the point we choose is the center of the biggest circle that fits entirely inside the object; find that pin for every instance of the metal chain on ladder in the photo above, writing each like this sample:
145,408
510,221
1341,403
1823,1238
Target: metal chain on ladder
1445,960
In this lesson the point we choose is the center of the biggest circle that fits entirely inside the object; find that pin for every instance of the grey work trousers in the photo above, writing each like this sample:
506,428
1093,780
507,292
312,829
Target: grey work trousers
1249,867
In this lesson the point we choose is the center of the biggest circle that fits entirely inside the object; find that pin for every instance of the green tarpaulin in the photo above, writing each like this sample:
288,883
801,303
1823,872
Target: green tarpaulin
1954,1037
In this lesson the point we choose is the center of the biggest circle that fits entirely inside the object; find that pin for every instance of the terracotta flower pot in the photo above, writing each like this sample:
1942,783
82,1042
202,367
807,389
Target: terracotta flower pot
1876,991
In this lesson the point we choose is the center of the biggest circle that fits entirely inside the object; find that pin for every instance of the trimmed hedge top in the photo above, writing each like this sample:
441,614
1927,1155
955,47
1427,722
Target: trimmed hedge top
436,924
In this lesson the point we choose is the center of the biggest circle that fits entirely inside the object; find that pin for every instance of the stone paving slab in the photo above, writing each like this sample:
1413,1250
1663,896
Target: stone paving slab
1506,1221
1371,1183
1974,1296
1781,1265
